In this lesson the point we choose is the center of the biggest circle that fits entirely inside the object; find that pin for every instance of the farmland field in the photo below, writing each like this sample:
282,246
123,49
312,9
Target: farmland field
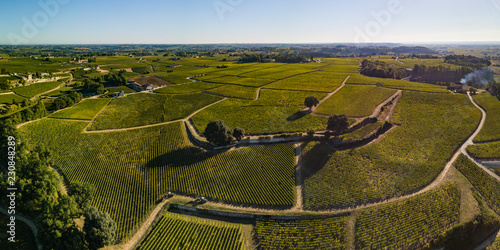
144,109
491,127
485,151
355,101
25,239
275,111
9,98
406,159
133,169
245,81
283,71
85,110
488,186
187,88
35,89
409,223
176,231
61,91
315,81
328,233
235,91
396,84
125,89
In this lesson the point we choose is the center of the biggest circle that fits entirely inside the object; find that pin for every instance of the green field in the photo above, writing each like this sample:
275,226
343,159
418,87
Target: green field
410,223
61,91
9,98
125,89
404,160
245,81
36,89
396,84
25,240
491,129
363,131
328,233
132,169
144,109
187,88
24,65
235,91
175,231
485,151
355,100
488,186
315,81
274,112
85,110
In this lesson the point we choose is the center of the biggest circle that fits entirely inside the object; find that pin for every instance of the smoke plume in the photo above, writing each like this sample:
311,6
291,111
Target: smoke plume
479,78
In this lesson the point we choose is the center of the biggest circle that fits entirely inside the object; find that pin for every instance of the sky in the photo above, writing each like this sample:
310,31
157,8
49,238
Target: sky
247,21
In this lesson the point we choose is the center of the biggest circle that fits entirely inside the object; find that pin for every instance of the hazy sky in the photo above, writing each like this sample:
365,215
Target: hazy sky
247,21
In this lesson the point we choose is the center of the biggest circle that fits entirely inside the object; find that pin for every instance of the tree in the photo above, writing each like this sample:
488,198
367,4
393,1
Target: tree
57,226
311,101
99,228
338,124
472,90
238,133
82,193
218,133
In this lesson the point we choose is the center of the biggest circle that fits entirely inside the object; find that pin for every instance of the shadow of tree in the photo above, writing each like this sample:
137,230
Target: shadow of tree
180,158
315,159
297,115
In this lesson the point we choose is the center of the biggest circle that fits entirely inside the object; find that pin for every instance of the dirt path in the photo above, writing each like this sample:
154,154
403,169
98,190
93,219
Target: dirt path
46,92
471,139
330,95
298,176
28,222
378,109
7,93
141,233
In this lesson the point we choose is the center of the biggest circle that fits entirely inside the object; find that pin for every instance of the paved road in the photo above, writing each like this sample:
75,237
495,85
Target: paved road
28,222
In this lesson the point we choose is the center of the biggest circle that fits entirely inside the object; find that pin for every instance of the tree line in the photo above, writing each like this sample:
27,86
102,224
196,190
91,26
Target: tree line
282,58
39,196
438,74
467,61
381,69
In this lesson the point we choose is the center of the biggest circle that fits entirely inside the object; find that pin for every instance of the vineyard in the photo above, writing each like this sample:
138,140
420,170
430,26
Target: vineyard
410,223
326,233
269,114
488,186
176,231
235,91
35,89
244,81
404,160
187,88
85,110
131,170
485,151
24,236
144,109
10,98
396,84
347,101
314,81
492,125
